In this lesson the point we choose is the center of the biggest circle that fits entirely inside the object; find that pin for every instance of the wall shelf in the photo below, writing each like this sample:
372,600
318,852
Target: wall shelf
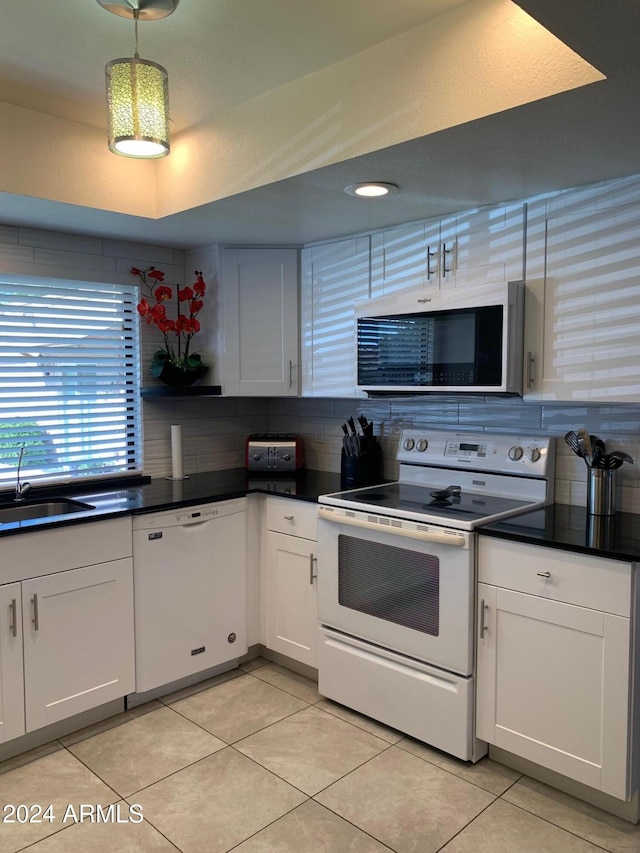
155,392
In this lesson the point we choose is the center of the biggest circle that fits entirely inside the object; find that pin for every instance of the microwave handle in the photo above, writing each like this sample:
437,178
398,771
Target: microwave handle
437,536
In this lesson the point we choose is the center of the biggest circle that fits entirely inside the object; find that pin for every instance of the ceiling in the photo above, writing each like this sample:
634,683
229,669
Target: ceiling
220,53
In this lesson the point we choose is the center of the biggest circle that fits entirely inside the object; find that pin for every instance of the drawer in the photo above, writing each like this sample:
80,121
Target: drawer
580,579
297,518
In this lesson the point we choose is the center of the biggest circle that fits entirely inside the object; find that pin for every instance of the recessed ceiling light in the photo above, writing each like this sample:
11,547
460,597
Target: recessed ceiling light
371,189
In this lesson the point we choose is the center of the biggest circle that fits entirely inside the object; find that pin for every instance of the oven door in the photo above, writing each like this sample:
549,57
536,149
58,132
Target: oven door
405,586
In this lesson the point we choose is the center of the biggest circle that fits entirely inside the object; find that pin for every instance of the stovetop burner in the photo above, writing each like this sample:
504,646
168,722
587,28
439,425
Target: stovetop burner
406,499
459,480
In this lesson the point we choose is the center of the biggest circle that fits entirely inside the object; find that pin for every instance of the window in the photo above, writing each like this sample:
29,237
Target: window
69,379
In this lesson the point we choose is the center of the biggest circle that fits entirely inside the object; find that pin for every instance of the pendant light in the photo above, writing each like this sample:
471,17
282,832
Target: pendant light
138,90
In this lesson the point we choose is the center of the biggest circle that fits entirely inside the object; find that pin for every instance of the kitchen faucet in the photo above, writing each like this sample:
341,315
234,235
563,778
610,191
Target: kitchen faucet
21,488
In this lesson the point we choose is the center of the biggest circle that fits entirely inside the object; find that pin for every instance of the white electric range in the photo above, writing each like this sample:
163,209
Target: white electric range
396,584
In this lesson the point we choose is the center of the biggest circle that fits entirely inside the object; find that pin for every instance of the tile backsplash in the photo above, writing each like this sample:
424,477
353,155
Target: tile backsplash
618,425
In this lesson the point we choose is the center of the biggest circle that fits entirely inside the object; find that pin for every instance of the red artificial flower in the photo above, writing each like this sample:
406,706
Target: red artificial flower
158,312
182,323
166,325
162,292
199,287
152,309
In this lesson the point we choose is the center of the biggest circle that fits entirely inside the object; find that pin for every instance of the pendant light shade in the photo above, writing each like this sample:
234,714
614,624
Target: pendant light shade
137,108
137,89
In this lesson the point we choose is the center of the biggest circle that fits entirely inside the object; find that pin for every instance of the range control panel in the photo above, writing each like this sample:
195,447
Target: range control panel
505,454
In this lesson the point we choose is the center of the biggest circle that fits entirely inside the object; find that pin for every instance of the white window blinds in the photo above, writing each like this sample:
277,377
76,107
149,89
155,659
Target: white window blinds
69,379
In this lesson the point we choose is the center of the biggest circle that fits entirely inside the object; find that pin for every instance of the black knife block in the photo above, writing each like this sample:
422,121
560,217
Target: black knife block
364,469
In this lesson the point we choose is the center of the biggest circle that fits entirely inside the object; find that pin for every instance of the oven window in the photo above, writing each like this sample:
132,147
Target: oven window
394,584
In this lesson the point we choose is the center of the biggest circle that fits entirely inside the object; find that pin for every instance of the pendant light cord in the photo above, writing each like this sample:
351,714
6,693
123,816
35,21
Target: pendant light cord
136,14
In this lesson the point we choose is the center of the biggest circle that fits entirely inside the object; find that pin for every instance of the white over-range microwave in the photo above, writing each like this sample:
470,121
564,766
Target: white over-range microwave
456,340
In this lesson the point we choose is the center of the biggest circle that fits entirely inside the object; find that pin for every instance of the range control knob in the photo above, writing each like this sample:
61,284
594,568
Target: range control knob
421,445
408,444
515,453
533,454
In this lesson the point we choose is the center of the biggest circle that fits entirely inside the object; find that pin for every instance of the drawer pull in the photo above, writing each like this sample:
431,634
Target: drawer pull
544,574
288,518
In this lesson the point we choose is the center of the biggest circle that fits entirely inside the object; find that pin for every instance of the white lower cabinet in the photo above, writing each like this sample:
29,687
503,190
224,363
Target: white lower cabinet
11,668
554,681
289,580
78,641
66,637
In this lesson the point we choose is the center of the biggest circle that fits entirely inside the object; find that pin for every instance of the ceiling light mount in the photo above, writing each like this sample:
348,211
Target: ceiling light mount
371,189
148,10
138,90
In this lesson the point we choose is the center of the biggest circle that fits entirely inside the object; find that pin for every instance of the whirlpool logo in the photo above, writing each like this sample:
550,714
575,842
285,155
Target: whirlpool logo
424,300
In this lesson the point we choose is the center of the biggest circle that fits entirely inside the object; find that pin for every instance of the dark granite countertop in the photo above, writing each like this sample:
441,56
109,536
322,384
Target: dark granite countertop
162,494
570,528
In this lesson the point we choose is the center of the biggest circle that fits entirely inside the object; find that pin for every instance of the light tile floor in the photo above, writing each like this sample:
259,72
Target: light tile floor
257,761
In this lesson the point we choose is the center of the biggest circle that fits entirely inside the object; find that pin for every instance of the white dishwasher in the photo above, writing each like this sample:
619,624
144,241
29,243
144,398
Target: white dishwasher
190,590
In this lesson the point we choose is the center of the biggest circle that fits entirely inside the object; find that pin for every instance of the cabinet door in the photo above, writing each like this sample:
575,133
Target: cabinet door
406,257
11,672
590,348
553,685
291,625
483,246
78,640
260,311
334,276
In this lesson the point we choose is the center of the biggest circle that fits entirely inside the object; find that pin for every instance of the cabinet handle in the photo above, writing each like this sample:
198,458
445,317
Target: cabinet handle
288,518
312,560
544,574
36,618
14,619
430,255
445,252
290,374
531,360
483,627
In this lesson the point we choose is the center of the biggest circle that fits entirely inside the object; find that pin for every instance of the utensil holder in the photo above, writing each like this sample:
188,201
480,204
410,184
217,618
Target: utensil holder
362,470
601,491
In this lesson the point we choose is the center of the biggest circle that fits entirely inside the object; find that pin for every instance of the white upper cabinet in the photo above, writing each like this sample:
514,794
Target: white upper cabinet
260,319
334,276
467,249
406,257
583,305
483,246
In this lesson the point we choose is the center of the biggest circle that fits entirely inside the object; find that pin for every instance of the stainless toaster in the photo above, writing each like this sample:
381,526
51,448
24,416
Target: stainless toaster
269,452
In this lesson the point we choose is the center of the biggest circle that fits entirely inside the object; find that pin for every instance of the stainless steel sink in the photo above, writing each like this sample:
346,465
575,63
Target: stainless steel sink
40,509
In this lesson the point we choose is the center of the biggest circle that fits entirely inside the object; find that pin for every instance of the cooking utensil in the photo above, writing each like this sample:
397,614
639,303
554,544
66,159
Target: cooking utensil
598,451
622,456
585,443
574,443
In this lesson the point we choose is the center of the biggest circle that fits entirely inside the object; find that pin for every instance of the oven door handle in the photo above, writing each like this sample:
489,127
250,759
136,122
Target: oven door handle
441,537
